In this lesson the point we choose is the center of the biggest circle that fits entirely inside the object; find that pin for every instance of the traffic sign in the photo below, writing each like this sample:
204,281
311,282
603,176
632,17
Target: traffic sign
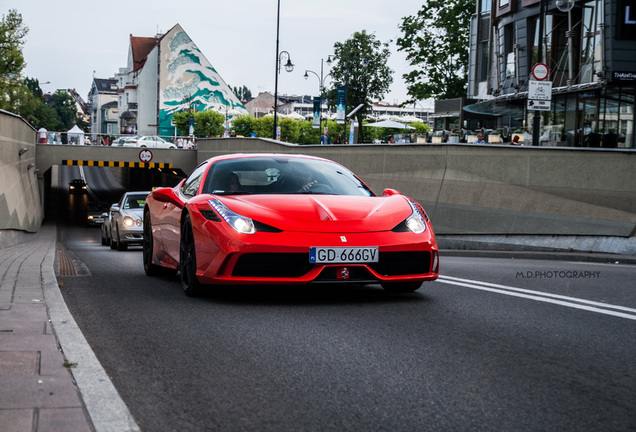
540,90
539,105
540,71
145,155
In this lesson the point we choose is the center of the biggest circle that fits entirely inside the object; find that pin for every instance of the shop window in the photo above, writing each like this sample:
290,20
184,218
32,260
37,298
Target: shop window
591,41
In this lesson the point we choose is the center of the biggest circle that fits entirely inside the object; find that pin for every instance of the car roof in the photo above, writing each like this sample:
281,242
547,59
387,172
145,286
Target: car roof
257,155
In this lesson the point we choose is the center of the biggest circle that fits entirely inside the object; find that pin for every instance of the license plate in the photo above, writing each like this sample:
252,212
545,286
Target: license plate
346,255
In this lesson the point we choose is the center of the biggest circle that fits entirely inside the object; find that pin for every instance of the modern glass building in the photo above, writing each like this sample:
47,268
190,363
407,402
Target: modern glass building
589,52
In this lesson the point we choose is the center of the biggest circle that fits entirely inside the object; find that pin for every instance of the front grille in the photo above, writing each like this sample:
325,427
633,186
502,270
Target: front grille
297,264
272,265
402,263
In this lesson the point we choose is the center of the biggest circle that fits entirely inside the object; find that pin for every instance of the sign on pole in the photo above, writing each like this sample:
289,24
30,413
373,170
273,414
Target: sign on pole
539,105
540,71
540,90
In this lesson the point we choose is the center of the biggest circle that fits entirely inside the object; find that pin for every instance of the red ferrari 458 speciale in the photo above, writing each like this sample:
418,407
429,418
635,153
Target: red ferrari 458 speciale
285,219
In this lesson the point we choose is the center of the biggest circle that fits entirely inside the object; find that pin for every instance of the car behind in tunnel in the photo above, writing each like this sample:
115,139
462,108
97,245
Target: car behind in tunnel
124,222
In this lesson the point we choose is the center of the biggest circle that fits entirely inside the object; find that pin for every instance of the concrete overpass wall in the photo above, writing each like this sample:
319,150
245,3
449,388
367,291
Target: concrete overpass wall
20,204
492,190
51,154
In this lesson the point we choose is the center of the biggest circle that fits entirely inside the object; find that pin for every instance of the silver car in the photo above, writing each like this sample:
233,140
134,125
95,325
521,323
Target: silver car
124,224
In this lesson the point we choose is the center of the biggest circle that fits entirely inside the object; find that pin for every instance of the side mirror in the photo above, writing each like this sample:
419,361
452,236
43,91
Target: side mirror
390,192
166,195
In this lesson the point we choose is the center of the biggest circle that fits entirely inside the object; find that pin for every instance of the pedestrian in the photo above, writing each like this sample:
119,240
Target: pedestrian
325,138
233,134
515,140
391,140
480,139
42,136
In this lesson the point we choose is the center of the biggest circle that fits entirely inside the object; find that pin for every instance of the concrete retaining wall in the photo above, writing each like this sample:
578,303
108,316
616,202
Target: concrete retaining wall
20,204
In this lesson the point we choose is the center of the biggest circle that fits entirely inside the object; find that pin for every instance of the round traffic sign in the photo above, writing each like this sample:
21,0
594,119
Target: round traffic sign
145,155
540,71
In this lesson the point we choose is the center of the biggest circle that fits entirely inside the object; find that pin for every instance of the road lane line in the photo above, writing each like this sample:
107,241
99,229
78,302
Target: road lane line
571,302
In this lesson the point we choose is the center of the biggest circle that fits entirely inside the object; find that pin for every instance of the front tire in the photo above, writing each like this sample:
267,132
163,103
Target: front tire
121,246
112,242
188,259
149,267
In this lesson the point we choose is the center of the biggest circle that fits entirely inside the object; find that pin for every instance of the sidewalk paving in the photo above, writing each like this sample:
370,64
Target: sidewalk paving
50,380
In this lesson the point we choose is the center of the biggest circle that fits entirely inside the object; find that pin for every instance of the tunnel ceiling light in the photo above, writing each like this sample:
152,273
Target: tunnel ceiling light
29,166
23,150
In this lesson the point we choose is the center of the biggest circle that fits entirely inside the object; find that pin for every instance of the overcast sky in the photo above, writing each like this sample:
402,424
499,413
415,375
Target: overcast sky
70,41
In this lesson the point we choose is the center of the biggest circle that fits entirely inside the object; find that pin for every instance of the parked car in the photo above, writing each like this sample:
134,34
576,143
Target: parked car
122,140
77,186
285,219
124,223
149,142
95,213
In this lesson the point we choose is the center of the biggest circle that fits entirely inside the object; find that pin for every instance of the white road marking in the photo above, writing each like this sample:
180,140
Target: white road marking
588,305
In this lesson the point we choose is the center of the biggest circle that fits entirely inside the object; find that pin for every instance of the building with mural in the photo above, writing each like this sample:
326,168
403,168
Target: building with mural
166,74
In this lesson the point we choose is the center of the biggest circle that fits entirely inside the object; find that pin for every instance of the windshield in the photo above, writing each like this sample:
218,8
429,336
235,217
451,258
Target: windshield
282,175
135,201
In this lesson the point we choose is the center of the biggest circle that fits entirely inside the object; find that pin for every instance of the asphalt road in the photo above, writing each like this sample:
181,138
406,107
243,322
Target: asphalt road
495,344
457,355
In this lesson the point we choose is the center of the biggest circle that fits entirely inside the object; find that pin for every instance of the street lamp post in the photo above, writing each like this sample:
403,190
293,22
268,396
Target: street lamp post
288,67
321,87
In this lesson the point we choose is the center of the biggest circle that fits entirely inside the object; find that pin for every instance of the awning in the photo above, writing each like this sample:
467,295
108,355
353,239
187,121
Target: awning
128,115
513,104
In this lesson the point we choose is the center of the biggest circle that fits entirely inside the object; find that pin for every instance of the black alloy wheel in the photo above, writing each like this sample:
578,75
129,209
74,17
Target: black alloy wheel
149,267
121,246
188,259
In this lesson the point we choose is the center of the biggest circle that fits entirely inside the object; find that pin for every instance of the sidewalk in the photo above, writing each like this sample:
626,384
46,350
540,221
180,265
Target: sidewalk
44,387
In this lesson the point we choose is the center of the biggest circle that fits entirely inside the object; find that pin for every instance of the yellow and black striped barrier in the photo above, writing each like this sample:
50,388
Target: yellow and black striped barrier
115,164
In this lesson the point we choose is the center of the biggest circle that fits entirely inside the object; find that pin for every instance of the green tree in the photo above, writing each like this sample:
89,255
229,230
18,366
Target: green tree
206,123
243,125
33,107
362,67
436,42
12,34
264,126
243,93
66,109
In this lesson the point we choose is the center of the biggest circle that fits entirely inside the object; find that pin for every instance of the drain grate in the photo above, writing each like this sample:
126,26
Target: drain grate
65,265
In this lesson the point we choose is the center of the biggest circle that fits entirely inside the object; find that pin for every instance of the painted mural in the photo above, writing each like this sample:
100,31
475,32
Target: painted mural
188,80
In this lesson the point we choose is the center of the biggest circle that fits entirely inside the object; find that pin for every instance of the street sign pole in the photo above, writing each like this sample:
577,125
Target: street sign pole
536,125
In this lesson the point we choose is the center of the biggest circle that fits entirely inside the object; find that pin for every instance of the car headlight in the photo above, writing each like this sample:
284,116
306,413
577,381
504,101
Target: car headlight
128,221
415,222
241,224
